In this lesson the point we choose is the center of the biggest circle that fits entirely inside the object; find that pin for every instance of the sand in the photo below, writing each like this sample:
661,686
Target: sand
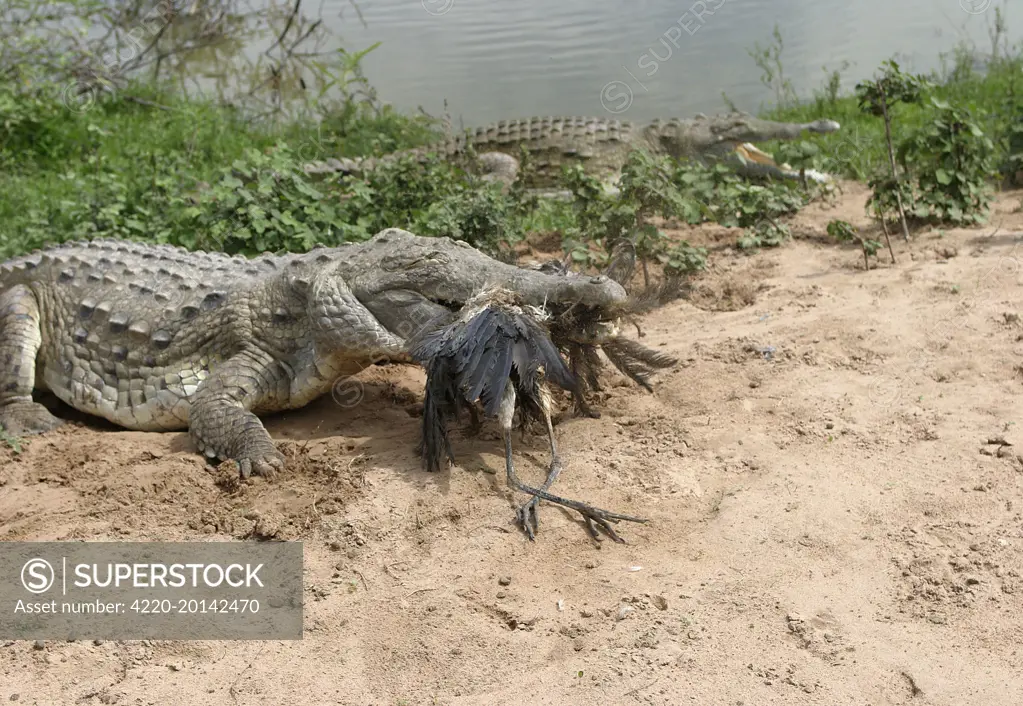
832,474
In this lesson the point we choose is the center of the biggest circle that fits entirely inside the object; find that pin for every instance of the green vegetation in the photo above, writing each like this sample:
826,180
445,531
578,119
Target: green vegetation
843,231
91,149
952,132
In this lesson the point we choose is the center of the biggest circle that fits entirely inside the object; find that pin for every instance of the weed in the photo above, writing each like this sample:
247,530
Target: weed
765,234
843,231
952,160
772,73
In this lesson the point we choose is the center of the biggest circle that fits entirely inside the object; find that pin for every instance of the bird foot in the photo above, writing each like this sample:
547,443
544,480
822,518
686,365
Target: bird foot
528,518
597,519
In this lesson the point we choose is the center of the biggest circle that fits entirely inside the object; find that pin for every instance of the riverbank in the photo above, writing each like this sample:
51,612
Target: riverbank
143,162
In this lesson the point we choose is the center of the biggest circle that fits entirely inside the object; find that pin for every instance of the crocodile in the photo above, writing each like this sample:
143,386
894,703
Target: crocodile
602,145
158,338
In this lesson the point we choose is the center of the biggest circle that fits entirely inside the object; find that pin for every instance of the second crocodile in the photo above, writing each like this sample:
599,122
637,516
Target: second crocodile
602,146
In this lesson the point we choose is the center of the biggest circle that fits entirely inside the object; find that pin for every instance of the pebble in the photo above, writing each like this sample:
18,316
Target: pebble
504,580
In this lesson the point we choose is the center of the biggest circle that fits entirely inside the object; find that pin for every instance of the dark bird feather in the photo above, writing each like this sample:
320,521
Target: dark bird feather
498,354
470,357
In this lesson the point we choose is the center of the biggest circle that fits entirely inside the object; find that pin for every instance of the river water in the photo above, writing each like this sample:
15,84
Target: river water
639,59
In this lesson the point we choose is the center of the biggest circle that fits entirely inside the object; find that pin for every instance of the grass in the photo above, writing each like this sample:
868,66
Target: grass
66,173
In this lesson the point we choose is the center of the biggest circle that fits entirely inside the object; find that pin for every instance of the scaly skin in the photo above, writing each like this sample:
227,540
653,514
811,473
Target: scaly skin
156,338
602,145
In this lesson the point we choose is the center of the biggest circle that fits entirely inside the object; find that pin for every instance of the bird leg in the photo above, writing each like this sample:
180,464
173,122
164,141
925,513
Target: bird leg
595,517
527,514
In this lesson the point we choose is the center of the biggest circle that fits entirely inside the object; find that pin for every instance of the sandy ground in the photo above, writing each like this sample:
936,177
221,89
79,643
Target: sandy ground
833,476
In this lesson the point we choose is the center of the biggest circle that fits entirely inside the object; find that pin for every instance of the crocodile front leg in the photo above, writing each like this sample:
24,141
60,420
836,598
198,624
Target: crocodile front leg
20,339
220,421
498,167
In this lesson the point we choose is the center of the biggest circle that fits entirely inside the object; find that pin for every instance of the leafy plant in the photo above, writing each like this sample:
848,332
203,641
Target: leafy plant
832,85
877,97
843,231
952,160
682,259
262,203
764,234
772,74
800,154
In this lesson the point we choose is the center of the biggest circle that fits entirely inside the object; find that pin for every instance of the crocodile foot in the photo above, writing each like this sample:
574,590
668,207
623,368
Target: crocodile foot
266,465
259,456
24,418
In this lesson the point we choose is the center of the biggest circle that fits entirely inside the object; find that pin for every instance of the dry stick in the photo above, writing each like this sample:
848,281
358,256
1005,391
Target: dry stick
866,261
891,161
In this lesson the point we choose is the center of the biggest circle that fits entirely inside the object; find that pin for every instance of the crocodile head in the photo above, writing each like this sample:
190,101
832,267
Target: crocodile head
407,282
718,135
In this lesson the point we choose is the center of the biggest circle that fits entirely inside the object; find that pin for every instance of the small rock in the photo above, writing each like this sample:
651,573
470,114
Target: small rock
14,697
623,612
502,594
586,613
972,580
578,644
504,580
38,645
937,618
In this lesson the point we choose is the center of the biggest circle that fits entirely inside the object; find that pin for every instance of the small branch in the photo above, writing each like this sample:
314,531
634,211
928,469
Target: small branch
287,26
148,104
891,162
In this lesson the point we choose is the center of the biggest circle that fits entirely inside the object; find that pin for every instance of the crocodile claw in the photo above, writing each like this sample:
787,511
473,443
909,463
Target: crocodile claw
266,465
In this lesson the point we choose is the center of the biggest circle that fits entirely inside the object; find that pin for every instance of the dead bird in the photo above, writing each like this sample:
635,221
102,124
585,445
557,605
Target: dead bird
498,353
581,331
